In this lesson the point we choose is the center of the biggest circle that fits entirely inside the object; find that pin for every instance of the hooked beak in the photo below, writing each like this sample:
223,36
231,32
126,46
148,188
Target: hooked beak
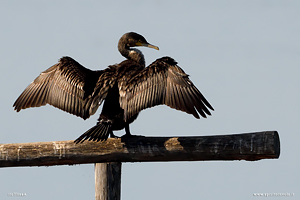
147,45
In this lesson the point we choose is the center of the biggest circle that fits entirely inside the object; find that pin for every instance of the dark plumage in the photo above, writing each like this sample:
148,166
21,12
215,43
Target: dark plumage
126,89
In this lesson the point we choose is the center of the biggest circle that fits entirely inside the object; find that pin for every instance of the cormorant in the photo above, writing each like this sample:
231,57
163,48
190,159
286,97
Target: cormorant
126,89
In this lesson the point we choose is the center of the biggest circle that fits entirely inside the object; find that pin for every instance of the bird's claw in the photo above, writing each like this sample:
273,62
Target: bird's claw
113,136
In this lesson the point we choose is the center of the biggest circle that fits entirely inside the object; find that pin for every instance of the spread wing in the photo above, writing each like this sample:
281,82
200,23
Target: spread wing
67,85
163,82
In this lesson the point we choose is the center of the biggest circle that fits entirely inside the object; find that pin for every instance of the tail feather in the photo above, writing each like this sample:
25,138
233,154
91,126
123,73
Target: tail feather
97,133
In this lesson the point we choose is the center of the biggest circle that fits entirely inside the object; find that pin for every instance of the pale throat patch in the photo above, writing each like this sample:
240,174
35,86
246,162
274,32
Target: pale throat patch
135,51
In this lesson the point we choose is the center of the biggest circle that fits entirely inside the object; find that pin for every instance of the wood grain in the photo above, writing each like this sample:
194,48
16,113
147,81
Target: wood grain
247,146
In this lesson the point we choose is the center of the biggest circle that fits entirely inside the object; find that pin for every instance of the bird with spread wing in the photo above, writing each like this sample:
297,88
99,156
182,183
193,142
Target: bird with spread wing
125,88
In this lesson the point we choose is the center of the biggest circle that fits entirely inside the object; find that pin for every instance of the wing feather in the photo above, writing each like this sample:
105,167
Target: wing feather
162,82
68,86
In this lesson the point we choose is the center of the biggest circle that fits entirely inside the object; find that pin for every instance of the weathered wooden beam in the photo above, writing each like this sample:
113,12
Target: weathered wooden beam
248,146
108,181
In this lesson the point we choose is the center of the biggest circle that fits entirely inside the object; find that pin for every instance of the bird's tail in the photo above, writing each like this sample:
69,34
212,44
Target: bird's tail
97,133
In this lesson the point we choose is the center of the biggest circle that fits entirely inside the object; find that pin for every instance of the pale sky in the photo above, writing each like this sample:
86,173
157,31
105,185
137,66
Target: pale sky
242,55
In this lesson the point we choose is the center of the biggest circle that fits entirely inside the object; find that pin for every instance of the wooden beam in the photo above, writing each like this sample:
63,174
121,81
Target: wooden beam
108,181
248,146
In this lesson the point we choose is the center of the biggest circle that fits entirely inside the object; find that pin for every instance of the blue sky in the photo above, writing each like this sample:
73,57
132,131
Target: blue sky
242,55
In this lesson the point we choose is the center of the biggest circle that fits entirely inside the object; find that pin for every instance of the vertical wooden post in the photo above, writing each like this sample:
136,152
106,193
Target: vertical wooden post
108,181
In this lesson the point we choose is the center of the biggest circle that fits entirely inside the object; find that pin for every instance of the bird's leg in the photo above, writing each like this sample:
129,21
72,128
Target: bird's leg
112,135
127,131
128,134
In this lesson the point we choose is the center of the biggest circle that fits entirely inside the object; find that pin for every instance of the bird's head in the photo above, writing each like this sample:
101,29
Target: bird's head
133,39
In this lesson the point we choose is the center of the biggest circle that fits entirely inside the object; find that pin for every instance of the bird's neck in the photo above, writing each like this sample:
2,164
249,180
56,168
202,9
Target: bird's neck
133,54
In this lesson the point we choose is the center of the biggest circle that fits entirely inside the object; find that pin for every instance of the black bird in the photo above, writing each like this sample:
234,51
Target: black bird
126,89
